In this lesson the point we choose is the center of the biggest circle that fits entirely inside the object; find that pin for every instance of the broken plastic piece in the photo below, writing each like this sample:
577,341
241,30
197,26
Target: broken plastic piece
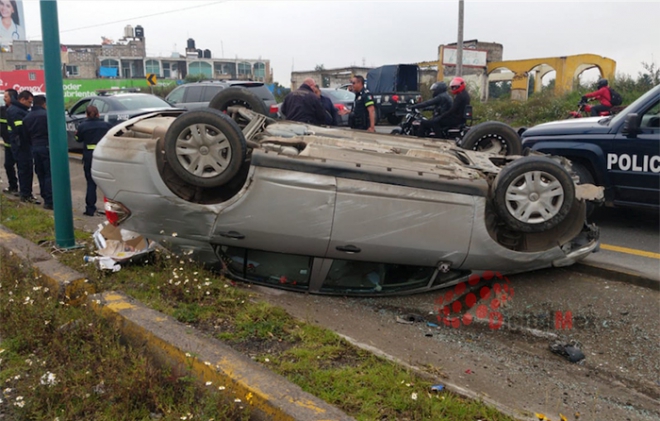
437,388
570,351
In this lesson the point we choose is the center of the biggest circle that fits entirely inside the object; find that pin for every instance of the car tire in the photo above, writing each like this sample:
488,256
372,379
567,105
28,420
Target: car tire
214,156
533,194
393,119
238,96
585,177
493,135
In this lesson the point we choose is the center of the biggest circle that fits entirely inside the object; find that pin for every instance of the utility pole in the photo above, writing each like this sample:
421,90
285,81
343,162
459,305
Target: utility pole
459,49
59,148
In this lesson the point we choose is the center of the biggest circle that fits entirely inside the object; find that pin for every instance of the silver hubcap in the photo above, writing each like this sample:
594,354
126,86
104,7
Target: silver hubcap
203,150
534,197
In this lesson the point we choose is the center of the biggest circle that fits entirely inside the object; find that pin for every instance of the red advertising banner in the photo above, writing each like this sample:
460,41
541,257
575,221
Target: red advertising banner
32,80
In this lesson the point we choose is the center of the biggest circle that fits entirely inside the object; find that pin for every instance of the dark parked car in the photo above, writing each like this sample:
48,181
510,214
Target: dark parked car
199,94
113,109
336,211
342,99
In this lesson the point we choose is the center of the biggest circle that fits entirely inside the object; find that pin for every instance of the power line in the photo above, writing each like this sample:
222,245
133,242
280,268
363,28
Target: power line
144,16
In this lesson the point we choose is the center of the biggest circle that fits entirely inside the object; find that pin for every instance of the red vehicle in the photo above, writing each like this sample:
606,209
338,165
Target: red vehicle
584,110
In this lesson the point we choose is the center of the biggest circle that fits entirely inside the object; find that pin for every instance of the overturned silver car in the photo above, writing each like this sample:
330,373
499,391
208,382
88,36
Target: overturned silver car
336,211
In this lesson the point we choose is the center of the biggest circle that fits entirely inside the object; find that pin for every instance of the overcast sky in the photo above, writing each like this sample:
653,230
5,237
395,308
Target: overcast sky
301,34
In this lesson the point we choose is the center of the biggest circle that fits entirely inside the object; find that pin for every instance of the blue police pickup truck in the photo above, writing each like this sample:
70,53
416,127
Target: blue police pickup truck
620,152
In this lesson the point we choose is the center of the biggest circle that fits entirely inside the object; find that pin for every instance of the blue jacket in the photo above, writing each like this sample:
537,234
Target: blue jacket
91,131
331,115
36,126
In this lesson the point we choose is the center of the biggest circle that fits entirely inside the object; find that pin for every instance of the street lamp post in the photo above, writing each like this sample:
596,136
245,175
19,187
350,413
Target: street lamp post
459,49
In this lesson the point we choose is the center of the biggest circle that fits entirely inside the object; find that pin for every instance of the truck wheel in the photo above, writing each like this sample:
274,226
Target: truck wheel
585,178
238,96
205,148
494,137
393,119
533,194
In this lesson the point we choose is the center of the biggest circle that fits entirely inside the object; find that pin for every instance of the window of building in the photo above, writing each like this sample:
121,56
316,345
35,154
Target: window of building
32,76
153,67
72,71
166,70
259,71
244,69
200,68
20,67
40,50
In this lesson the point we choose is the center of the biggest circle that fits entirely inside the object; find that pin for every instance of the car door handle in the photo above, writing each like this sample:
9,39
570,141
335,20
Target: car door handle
349,249
232,234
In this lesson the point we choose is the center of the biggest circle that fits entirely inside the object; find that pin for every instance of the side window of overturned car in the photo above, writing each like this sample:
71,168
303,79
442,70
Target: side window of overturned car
284,270
352,275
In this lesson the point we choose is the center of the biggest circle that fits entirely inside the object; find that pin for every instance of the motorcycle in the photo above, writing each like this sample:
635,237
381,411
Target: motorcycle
490,136
584,110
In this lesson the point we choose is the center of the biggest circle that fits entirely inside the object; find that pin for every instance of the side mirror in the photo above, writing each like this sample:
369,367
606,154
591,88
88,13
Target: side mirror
631,125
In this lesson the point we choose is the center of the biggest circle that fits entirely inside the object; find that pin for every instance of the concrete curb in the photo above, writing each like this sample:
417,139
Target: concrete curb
615,273
184,350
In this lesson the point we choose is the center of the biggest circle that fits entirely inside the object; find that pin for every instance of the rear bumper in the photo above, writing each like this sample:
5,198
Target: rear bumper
586,243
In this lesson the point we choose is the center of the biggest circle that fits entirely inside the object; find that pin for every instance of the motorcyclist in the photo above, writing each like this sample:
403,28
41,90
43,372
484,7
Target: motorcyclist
441,102
455,116
603,95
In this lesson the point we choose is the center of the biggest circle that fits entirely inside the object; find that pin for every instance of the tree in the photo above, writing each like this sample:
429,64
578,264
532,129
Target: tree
319,67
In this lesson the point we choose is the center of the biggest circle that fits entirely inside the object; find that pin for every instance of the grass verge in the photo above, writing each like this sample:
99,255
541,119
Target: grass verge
320,362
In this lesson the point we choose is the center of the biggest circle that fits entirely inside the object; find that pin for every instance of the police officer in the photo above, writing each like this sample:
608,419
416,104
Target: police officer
90,132
303,105
10,163
36,130
20,145
363,115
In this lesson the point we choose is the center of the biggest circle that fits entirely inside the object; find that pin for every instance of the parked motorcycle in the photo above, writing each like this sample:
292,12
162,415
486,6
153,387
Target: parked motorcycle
490,136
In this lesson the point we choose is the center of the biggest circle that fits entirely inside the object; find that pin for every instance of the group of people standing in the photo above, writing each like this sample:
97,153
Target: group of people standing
307,105
24,130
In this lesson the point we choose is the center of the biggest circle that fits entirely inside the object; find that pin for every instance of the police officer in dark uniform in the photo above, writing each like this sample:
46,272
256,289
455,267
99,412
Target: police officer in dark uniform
36,130
363,115
10,163
90,132
20,145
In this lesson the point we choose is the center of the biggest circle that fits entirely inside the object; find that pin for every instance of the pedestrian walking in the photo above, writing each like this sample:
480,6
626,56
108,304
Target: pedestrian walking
20,145
90,132
10,163
36,131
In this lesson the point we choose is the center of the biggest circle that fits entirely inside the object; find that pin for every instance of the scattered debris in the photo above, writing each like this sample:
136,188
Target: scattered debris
429,324
115,246
409,319
437,388
468,371
570,351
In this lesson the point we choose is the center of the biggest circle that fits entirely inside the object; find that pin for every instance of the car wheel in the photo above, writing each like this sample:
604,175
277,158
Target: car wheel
205,148
393,119
237,96
494,137
585,177
533,194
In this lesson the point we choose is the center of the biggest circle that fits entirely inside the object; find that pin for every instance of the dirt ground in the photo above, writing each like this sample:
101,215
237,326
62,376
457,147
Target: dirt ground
508,359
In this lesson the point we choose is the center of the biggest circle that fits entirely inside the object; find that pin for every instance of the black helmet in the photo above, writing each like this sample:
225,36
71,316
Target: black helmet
601,83
438,88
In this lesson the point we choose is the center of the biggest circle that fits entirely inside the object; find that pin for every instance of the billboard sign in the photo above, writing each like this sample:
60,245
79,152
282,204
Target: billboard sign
12,23
471,58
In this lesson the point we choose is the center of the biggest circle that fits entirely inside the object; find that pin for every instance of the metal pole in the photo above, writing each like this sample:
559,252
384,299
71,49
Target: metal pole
459,49
59,149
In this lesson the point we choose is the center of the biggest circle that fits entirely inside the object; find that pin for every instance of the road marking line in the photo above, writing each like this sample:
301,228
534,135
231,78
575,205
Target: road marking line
630,251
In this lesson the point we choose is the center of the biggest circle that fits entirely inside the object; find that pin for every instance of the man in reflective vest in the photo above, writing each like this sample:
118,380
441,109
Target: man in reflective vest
90,132
10,163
